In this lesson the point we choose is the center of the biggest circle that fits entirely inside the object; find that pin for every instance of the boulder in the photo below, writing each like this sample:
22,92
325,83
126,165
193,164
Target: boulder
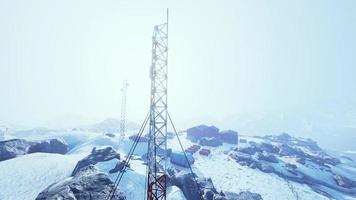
344,182
268,147
300,160
87,184
249,196
13,148
212,142
193,188
49,146
239,156
267,157
286,150
110,135
119,167
265,168
97,155
249,150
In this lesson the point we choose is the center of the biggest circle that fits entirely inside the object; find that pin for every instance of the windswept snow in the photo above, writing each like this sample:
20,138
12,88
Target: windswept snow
26,176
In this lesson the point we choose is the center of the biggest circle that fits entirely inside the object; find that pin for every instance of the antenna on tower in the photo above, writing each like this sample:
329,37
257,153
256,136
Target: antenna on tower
157,174
123,108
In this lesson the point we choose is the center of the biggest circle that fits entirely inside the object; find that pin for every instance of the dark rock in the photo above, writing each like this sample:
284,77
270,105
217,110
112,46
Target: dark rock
97,155
267,157
344,182
88,184
286,150
212,142
265,168
50,146
194,188
291,166
242,158
330,160
119,167
249,150
110,135
13,148
140,138
300,160
264,146
249,196
188,184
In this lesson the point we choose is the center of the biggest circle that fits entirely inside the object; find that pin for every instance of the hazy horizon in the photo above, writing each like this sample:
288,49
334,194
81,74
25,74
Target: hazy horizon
231,58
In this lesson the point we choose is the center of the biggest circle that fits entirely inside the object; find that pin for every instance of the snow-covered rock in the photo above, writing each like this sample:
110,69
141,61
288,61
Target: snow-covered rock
87,184
17,147
13,148
96,155
49,146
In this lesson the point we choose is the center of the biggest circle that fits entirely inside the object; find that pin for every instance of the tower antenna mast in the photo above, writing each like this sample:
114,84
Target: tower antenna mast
157,176
123,108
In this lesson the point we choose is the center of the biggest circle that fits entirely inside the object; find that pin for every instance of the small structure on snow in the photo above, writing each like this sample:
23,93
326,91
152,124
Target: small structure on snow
205,152
181,160
212,142
201,131
229,136
193,149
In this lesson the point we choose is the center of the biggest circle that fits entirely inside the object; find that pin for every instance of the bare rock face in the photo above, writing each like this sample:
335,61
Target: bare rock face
97,155
87,184
13,148
50,146
344,182
195,188
18,147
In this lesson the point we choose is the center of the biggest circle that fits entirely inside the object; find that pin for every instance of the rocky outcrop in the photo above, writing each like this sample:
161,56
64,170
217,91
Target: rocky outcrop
267,157
13,148
245,195
49,146
195,188
119,167
96,155
344,182
87,184
17,147
241,158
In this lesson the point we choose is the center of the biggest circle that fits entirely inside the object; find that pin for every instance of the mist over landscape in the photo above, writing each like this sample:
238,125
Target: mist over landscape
256,67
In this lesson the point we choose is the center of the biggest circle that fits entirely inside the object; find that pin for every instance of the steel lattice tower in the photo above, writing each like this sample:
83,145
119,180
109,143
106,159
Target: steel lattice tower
123,108
157,179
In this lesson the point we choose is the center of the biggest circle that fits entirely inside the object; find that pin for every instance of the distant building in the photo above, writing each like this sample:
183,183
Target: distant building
229,136
205,152
201,131
212,142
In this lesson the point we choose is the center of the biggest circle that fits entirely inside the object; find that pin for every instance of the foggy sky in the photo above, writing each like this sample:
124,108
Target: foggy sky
65,58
